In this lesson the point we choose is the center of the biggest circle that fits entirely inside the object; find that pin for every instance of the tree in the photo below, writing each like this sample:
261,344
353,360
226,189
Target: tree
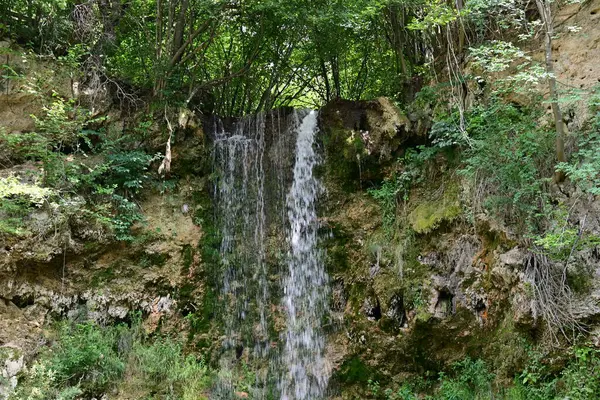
546,15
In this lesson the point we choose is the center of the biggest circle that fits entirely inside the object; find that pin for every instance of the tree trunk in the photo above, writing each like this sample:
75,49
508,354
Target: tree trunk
397,25
335,72
546,15
178,34
461,29
326,79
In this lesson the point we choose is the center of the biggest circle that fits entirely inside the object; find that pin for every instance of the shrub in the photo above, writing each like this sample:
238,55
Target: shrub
584,167
21,147
470,380
88,360
84,359
510,161
397,187
17,198
561,238
110,181
581,379
167,373
87,356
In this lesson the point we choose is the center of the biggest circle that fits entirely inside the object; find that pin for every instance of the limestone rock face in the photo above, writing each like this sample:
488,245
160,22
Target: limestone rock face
102,281
377,128
12,362
514,258
362,136
28,73
576,53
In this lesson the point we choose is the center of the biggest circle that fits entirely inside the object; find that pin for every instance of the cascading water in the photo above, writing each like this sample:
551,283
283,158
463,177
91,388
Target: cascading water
240,206
305,286
265,192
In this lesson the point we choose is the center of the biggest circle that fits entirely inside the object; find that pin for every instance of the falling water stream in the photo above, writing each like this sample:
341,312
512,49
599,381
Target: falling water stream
240,209
305,286
262,173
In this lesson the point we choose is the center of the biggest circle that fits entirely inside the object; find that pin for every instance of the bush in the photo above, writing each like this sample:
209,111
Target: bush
397,187
581,379
89,360
110,181
584,167
84,359
471,379
167,373
87,356
504,153
17,198
510,161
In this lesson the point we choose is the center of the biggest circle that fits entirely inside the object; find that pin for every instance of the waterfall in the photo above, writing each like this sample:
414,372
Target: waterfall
305,287
265,192
240,209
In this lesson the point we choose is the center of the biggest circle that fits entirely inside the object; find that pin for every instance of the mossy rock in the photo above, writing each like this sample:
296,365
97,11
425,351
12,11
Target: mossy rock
430,214
354,370
361,137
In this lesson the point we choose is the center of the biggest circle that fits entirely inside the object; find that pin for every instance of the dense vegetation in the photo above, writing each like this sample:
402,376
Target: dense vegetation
472,379
235,57
462,68
106,175
88,360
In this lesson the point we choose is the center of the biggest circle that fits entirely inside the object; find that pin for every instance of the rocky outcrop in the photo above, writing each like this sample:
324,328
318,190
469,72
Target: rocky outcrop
11,363
26,78
361,137
102,281
376,128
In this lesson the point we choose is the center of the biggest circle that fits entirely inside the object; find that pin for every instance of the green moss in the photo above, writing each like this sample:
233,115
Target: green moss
201,320
343,155
354,370
357,293
337,245
423,315
188,257
507,351
211,240
104,276
429,215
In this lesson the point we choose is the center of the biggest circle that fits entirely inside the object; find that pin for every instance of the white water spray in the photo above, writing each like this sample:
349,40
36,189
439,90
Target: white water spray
306,371
240,210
